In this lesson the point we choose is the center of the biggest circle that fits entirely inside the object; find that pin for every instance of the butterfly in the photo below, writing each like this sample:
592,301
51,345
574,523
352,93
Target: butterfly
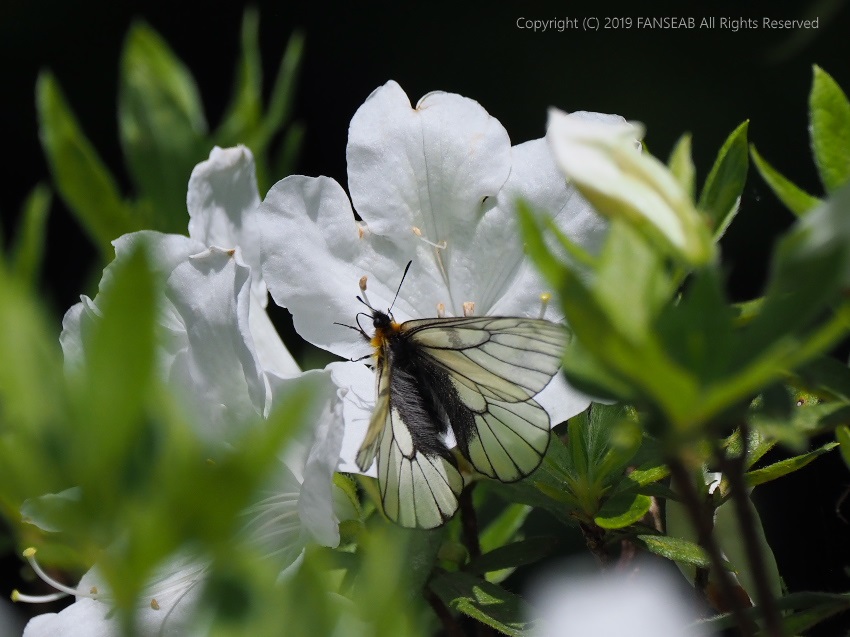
475,375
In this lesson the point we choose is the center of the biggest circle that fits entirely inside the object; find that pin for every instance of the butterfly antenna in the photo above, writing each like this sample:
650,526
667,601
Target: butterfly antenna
407,267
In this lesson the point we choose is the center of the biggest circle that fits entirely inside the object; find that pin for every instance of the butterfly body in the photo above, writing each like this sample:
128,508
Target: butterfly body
474,375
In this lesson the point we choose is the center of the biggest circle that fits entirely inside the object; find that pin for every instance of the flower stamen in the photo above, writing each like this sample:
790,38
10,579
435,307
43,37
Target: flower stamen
469,308
441,310
544,303
439,246
362,283
61,589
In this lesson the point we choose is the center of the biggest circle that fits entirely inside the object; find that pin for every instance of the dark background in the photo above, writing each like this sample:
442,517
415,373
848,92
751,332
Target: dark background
703,81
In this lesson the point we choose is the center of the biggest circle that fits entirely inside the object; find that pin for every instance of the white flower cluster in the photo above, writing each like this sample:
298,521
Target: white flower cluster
435,184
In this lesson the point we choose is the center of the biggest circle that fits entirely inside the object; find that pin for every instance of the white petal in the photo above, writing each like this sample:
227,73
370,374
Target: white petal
643,603
561,400
426,167
314,455
221,200
314,255
71,337
219,370
273,355
357,405
176,587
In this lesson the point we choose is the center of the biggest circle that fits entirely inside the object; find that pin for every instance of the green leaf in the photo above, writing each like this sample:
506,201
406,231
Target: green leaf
842,434
784,467
504,527
51,512
515,554
245,110
829,118
806,421
676,549
698,331
681,164
162,125
810,608
721,193
81,178
826,375
28,247
488,603
283,92
795,198
118,371
623,510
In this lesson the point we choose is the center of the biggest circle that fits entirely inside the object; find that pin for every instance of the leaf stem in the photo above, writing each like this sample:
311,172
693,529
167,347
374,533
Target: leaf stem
701,517
733,469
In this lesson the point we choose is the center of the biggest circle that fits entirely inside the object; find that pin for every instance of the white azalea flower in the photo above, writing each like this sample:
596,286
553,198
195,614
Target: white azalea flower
222,203
212,324
435,184
644,603
603,159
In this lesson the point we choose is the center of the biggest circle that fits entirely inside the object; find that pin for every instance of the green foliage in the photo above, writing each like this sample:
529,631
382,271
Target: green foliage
81,178
721,193
829,118
102,463
164,134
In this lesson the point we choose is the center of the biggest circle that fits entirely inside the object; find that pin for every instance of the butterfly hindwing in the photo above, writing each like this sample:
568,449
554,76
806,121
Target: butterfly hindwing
418,488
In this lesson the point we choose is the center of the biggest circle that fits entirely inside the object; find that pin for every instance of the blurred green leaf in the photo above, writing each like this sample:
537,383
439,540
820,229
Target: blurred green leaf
504,527
842,434
676,549
800,611
622,510
698,331
488,603
51,512
162,126
290,148
114,385
805,422
795,199
826,375
81,178
784,467
283,92
829,118
245,110
681,164
721,193
513,554
28,248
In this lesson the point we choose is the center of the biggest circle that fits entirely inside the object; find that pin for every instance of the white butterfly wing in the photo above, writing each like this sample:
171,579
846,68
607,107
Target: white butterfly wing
497,365
417,489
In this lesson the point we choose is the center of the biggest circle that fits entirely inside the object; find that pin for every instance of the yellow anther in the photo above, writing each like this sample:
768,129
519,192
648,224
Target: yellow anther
469,308
154,604
441,310
544,303
29,552
363,283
